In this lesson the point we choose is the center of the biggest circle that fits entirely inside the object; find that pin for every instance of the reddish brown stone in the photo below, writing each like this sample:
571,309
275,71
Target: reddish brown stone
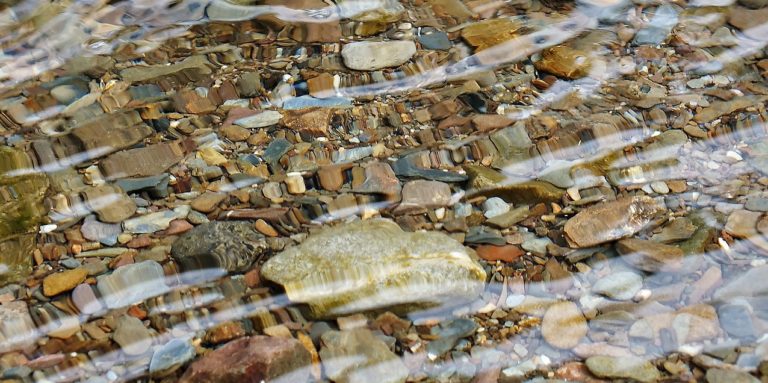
310,121
487,122
178,226
491,253
253,277
139,242
250,360
224,332
443,109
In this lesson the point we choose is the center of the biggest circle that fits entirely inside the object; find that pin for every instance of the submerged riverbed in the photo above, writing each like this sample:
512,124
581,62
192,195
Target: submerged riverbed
383,191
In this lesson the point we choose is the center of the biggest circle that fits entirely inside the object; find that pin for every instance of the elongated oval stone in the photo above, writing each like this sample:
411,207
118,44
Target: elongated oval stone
611,221
372,264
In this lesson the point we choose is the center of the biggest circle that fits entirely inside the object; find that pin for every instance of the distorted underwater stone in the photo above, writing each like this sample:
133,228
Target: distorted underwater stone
374,264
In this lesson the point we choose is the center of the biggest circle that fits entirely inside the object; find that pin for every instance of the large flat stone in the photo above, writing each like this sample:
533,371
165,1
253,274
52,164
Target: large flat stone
331,273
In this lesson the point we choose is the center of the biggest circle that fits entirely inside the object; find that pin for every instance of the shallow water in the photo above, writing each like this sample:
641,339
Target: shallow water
383,191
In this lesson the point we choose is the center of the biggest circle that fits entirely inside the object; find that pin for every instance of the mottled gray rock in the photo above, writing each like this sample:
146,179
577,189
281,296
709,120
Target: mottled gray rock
330,273
218,247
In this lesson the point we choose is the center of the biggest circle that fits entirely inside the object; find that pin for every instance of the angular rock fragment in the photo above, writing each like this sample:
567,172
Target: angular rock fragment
219,246
109,202
610,221
143,162
330,273
358,356
252,359
566,62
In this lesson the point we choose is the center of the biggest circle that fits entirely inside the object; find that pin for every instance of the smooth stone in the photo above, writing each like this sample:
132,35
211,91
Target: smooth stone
207,202
495,206
752,283
757,203
235,133
358,356
85,299
422,194
95,230
564,61
66,94
563,325
261,120
252,359
627,367
621,286
736,320
612,220
328,271
521,193
218,247
536,245
170,357
132,336
510,218
678,230
649,255
375,55
437,40
719,375
154,222
58,283
132,283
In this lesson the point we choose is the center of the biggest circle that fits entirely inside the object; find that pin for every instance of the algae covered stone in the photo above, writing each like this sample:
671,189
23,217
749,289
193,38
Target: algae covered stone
373,264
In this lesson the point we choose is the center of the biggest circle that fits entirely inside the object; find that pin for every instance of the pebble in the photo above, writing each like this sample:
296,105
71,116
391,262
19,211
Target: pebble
370,55
251,359
154,222
170,357
207,202
265,228
294,182
620,286
132,336
563,325
626,367
66,280
494,207
131,283
649,255
611,221
362,358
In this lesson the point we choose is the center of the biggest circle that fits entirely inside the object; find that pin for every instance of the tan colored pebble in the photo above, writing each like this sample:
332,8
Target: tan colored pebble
294,182
265,228
58,283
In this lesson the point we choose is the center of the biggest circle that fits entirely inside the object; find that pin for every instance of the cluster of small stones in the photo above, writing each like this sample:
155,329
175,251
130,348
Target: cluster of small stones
622,230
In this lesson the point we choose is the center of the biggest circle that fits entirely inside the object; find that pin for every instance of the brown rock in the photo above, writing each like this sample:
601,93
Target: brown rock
331,177
487,33
321,86
109,202
491,253
207,202
235,133
252,359
313,121
380,179
488,122
720,108
649,255
563,61
443,109
612,220
421,194
142,162
178,226
743,224
563,325
58,283
265,228
745,19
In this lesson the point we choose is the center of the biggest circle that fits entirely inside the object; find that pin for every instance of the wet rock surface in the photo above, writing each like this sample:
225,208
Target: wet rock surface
238,190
